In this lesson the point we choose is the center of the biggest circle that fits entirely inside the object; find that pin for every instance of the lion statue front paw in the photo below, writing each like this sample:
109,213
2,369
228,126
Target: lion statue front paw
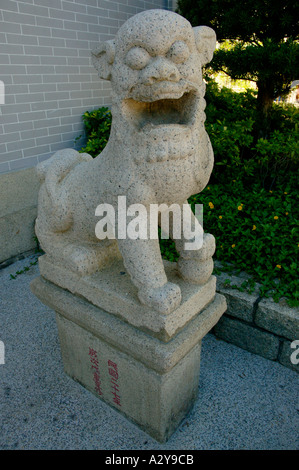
163,299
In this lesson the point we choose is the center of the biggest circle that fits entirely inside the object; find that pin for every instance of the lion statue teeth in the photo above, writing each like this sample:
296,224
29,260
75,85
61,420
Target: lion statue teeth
158,153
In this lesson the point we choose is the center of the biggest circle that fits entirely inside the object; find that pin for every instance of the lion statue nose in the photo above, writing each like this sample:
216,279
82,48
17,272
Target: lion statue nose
160,69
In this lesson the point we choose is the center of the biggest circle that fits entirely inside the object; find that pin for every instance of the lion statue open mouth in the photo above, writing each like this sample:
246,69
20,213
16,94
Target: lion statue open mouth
158,153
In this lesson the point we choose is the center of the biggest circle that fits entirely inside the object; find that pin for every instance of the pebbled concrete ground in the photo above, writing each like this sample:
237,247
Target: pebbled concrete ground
244,401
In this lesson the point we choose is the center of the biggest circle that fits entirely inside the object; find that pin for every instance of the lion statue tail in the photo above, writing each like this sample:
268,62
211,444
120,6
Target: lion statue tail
51,174
60,164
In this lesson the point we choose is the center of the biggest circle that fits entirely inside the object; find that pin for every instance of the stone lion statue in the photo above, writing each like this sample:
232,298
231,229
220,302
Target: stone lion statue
158,153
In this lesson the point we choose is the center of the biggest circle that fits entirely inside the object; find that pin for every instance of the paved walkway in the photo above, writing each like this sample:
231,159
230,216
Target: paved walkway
244,401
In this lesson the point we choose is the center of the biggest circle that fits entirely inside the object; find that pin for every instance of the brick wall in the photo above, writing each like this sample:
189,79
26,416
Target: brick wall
47,72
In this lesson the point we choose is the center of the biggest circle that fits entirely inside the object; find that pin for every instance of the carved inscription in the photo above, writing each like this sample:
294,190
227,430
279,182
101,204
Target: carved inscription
113,372
93,355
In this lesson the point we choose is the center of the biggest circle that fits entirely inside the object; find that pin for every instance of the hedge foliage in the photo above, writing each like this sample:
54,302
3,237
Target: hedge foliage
97,124
244,149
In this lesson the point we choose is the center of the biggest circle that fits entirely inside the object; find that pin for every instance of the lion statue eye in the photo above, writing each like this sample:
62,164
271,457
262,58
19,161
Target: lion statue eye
137,58
178,52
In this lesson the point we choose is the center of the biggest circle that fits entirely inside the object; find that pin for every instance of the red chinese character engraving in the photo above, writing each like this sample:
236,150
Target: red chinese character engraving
112,364
114,384
96,374
116,400
113,373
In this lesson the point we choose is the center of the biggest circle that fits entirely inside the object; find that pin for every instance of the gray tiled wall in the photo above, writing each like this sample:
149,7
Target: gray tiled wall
47,72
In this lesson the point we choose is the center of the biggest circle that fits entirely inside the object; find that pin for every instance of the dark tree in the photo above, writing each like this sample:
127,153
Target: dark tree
263,37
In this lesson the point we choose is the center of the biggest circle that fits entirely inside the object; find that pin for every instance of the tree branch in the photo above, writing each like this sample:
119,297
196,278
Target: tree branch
227,73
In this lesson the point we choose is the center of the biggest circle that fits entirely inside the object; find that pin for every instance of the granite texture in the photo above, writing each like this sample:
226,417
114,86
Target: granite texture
278,318
112,290
248,337
158,153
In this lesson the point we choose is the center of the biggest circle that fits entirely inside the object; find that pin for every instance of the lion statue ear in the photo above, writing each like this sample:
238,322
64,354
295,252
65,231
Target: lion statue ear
103,58
205,39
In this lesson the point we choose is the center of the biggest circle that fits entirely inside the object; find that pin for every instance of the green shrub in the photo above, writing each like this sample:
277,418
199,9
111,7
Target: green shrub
240,152
226,104
97,126
256,231
279,154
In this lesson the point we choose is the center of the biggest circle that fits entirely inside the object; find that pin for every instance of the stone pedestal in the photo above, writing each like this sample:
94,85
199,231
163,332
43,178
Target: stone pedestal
144,364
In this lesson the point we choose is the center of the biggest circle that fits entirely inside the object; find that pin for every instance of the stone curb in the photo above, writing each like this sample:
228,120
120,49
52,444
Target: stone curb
256,324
